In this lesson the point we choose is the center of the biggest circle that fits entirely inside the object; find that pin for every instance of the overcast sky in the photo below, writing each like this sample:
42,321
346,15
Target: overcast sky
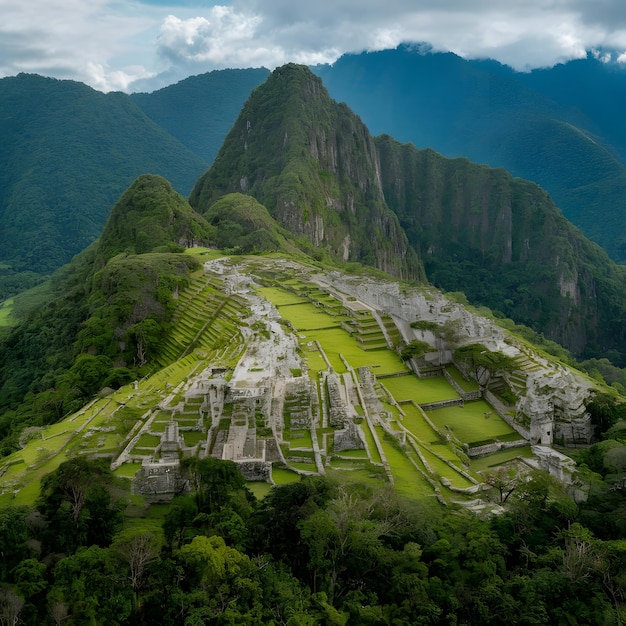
130,44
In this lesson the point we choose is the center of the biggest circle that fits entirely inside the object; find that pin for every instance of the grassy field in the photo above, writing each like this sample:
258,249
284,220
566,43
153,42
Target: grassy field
280,297
469,423
421,390
307,316
282,476
498,458
415,423
407,480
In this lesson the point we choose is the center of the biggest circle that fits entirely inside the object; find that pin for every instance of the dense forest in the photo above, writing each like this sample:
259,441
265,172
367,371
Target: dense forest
318,551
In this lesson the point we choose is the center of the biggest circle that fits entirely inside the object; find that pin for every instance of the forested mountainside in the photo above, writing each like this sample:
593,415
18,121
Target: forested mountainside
503,242
200,110
314,165
66,155
476,229
560,127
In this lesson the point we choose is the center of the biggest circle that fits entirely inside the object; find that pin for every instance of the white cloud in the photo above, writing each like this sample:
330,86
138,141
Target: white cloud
110,44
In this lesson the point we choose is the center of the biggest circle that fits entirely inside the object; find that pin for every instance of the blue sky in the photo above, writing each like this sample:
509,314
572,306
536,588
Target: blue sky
134,45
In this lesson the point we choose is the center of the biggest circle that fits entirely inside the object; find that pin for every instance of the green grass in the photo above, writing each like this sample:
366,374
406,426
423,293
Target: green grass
282,476
498,458
407,480
420,390
192,437
280,297
370,442
127,470
148,441
307,317
259,489
303,440
358,453
6,309
465,385
415,423
441,468
469,423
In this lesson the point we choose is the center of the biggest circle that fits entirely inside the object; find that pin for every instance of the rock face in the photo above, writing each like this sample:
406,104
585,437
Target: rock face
315,166
503,242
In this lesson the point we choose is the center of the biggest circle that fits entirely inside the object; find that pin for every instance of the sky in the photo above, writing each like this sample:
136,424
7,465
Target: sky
133,45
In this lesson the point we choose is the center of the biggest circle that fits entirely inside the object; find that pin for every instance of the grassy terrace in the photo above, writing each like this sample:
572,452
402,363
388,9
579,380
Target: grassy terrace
469,423
420,390
465,385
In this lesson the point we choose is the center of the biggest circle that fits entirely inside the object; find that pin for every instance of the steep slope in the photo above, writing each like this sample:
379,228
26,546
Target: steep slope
200,110
542,126
503,242
108,312
67,153
314,165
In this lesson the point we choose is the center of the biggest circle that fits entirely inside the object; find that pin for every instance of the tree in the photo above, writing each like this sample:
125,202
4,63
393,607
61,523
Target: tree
483,363
504,480
138,549
76,503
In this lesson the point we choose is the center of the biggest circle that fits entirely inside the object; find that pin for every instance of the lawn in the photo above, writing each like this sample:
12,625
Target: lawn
465,385
498,458
469,423
337,341
282,476
307,317
420,390
370,442
299,439
407,480
127,470
280,297
441,468
415,423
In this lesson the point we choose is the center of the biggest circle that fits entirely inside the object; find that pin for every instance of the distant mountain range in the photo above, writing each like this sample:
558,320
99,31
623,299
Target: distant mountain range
562,127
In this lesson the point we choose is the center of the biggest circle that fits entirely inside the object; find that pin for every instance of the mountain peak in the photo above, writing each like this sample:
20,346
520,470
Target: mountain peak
314,165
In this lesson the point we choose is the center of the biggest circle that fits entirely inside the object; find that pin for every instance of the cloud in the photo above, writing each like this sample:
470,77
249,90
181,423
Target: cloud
523,34
75,39
118,45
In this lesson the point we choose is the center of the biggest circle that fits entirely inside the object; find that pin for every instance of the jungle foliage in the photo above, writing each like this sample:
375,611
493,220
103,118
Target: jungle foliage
317,551
107,312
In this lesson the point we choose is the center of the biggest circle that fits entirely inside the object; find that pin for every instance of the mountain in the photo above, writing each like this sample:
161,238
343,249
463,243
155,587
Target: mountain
561,127
200,110
108,309
502,241
314,165
67,153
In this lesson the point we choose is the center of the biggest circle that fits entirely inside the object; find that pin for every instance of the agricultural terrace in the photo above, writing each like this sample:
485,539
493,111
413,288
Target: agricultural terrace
420,390
474,423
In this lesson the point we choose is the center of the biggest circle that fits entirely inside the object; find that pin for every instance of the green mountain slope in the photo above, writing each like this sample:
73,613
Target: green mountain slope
542,126
108,312
200,110
503,242
314,165
67,153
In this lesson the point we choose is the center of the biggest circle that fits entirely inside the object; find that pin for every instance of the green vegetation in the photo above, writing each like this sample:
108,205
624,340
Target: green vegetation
419,390
473,422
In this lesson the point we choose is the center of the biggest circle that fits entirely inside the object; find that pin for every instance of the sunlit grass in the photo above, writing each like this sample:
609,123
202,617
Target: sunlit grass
128,470
469,423
407,480
259,489
280,297
283,476
415,423
6,309
465,385
307,317
421,390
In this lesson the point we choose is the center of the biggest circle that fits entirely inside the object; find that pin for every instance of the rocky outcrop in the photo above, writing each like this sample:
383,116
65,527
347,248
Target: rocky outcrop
315,166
